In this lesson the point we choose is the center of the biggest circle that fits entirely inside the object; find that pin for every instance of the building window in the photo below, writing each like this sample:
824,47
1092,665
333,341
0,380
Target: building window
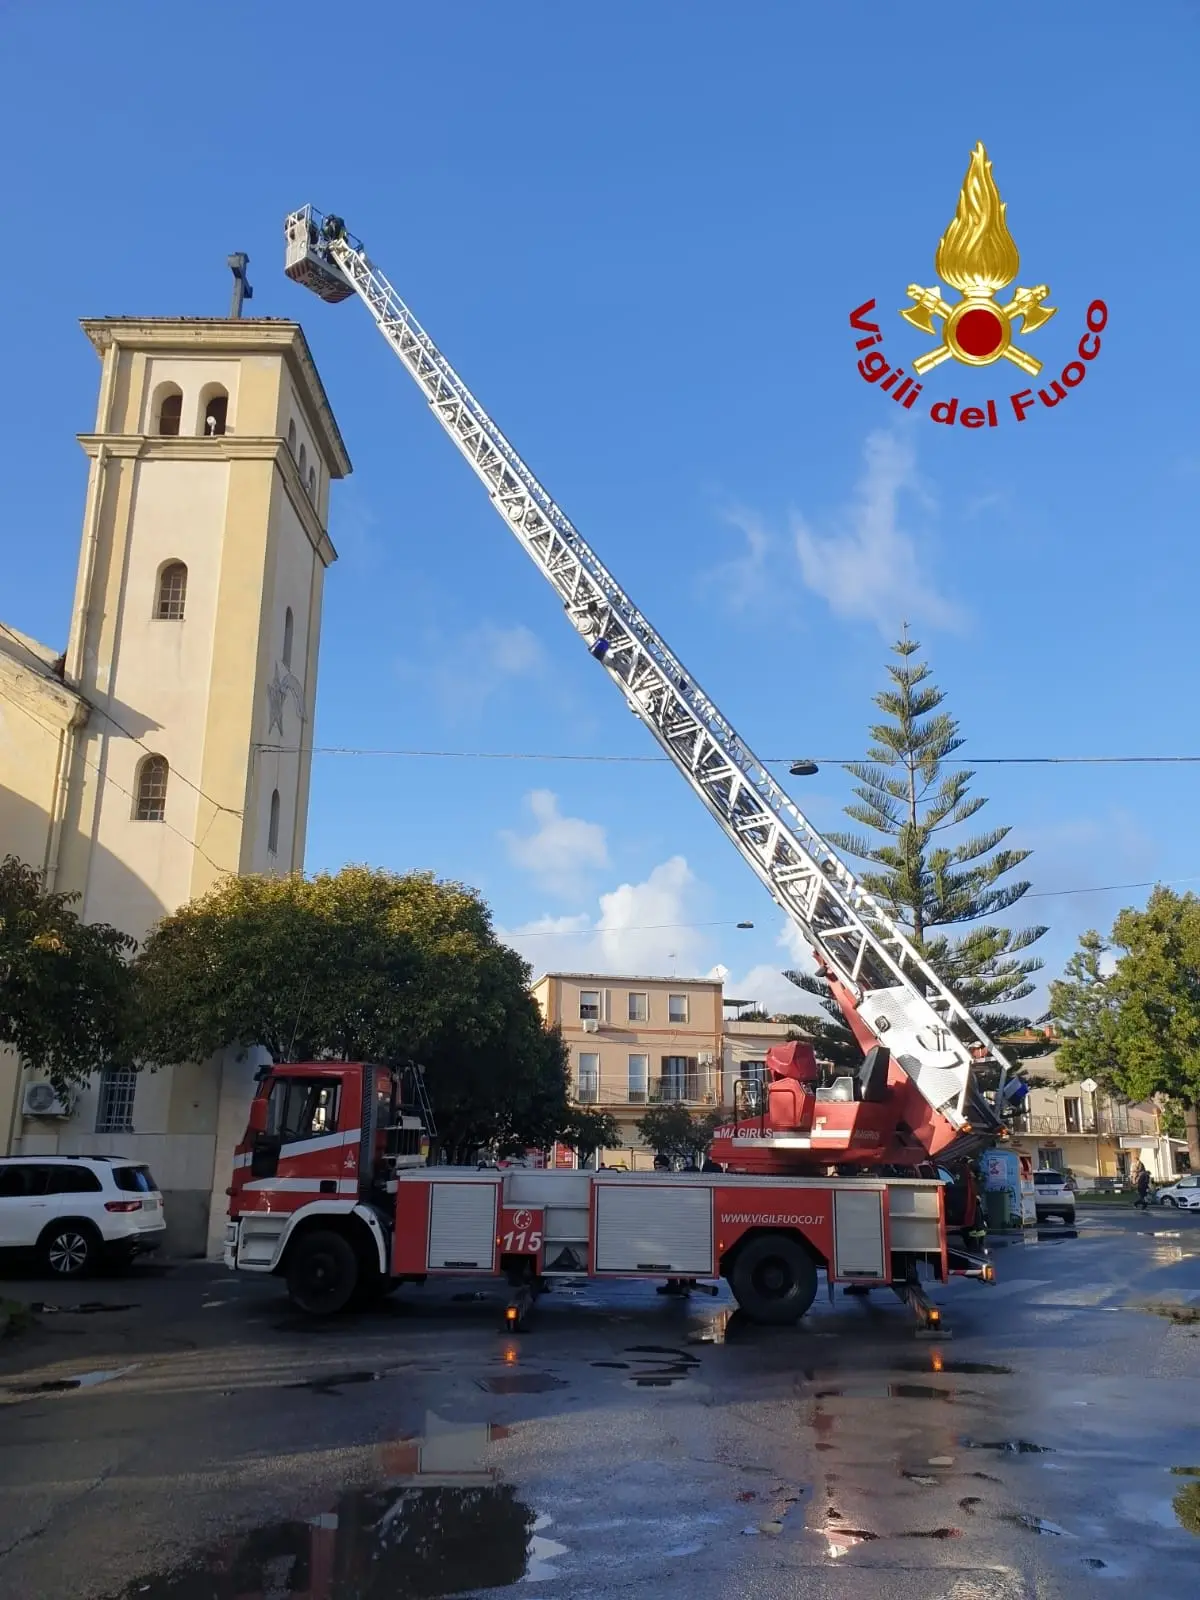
1071,1112
289,628
172,592
639,1007
114,1110
303,463
674,1084
151,805
639,1079
216,412
1051,1160
753,1071
168,411
677,1008
312,484
589,1005
589,1078
292,437
273,825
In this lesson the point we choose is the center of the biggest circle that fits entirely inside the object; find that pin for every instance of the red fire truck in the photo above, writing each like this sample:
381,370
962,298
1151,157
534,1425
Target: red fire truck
330,1191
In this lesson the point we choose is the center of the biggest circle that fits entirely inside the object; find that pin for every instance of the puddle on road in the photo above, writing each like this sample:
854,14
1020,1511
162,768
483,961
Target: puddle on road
616,1366
85,1380
521,1383
894,1391
938,1363
1016,1447
87,1308
658,1366
439,1524
382,1544
1026,1519
333,1383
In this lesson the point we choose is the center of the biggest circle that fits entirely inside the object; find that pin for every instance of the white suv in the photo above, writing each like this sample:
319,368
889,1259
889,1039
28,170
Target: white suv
74,1212
1052,1196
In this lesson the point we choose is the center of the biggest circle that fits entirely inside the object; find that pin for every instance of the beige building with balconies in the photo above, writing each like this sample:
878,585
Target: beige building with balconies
637,1042
169,743
1095,1136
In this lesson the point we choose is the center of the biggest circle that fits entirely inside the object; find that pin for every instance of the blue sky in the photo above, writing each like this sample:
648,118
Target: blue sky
638,230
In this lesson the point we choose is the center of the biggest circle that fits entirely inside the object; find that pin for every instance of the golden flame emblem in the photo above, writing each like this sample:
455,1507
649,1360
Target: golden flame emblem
977,256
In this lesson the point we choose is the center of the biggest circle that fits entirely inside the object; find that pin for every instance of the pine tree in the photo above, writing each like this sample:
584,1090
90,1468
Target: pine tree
908,798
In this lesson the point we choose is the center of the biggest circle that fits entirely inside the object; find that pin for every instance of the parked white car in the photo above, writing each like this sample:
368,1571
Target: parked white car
1053,1197
1183,1194
73,1213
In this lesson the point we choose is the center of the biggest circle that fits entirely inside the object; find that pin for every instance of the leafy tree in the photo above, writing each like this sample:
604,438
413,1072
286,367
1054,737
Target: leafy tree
362,965
1137,1029
677,1133
64,984
910,802
585,1131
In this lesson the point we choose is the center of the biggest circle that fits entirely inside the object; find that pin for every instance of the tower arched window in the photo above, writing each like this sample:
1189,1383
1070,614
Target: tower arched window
289,629
214,411
172,592
303,463
273,824
168,409
151,802
292,437
312,484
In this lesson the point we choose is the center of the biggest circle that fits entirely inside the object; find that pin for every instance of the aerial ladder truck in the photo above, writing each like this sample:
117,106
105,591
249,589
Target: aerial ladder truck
816,1175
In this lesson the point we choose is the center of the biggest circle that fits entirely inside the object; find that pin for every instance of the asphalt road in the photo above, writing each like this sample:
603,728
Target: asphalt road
215,1446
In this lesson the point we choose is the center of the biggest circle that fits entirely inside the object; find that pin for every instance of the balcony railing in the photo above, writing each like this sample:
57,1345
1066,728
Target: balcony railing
686,1089
1103,1124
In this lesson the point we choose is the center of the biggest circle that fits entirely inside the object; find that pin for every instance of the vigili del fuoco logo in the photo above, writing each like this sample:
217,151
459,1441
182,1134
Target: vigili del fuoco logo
977,256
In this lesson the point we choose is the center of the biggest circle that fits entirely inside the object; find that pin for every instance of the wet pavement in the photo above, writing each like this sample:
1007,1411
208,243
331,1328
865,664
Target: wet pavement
182,1435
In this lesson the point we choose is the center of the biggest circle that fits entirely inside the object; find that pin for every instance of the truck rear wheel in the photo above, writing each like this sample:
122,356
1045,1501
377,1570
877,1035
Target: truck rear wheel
774,1279
322,1272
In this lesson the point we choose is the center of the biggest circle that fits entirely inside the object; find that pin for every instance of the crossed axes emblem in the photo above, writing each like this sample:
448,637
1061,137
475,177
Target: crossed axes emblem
1025,304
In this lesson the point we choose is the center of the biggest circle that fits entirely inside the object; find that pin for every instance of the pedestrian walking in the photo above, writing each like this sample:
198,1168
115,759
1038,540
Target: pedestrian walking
1141,1182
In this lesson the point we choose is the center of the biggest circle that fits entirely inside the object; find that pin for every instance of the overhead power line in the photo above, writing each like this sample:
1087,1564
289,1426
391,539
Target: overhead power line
770,761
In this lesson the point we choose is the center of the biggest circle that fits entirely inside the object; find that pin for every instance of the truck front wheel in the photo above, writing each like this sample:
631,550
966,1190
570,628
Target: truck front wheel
774,1279
322,1272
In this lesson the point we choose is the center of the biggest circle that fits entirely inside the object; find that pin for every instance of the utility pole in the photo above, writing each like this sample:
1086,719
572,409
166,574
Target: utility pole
238,262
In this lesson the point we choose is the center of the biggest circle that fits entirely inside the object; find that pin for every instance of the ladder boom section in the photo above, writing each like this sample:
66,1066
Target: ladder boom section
904,1003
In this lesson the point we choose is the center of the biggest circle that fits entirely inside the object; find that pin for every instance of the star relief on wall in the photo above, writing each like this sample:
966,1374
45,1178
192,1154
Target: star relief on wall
282,687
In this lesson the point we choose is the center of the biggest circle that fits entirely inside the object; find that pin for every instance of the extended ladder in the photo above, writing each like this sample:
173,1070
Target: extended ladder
898,995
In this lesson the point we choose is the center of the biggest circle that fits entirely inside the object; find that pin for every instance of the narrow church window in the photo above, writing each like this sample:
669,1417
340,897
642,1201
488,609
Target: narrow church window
292,436
303,463
312,484
216,411
273,825
172,592
170,409
289,628
152,790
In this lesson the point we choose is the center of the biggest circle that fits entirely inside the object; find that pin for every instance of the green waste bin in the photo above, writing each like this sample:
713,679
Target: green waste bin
998,1205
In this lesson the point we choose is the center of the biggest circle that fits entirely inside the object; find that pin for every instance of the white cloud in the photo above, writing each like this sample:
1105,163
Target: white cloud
647,929
867,567
561,851
465,672
744,581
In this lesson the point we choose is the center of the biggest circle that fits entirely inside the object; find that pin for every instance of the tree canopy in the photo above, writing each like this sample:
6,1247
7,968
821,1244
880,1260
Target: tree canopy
1136,1027
944,888
64,984
363,965
677,1133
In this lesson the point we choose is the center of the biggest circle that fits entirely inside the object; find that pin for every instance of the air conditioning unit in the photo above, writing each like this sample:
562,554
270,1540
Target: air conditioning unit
42,1100
590,1025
